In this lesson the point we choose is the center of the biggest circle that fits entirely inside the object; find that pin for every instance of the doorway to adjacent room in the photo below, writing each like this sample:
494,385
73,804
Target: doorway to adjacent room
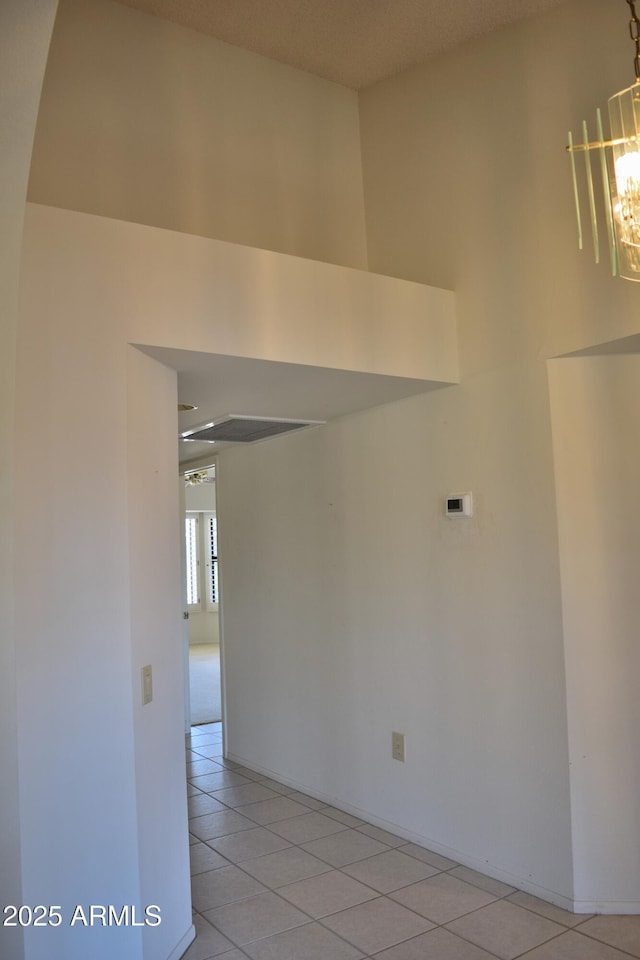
202,589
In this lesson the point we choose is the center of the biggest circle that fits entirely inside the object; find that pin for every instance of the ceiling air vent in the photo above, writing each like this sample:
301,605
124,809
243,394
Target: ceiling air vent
241,429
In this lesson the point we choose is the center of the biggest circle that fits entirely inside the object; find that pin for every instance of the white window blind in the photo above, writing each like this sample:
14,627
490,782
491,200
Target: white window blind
211,560
191,538
201,539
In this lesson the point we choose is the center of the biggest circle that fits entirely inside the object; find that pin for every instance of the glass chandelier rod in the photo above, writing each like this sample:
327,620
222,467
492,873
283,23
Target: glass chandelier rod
620,172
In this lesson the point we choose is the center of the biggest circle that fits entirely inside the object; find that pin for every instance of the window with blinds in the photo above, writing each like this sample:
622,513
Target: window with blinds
201,539
211,562
192,544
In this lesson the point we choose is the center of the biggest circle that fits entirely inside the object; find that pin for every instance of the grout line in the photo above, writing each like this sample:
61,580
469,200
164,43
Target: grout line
378,895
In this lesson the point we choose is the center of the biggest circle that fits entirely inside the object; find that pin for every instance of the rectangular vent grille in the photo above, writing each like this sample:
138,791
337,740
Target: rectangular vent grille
237,429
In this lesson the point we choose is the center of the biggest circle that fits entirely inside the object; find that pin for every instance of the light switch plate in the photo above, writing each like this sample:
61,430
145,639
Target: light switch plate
397,746
147,685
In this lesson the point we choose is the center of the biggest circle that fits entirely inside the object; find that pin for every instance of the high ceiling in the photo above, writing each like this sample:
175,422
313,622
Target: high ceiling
353,42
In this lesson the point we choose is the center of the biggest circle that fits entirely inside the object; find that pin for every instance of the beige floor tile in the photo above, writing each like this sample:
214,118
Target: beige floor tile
256,918
218,781
496,887
274,785
327,893
203,739
383,836
209,750
346,846
247,793
285,866
308,827
390,870
209,942
377,924
217,887
505,929
435,859
548,910
437,944
442,898
311,942
287,843
272,811
203,804
197,768
572,945
308,801
620,932
203,858
243,771
213,751
219,824
248,844
347,818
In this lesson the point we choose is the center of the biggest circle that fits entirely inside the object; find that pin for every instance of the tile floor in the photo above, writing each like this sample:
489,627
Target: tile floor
277,875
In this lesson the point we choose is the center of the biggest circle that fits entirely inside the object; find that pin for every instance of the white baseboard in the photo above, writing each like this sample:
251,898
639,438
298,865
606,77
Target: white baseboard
561,900
610,907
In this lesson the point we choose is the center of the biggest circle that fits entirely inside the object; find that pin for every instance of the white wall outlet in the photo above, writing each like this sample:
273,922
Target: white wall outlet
147,685
397,746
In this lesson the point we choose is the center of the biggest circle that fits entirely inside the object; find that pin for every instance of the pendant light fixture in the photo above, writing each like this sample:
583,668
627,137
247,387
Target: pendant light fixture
619,161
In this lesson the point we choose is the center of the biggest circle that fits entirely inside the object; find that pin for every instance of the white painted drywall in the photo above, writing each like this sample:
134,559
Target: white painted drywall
103,418
193,293
369,612
145,120
467,184
204,626
25,31
352,608
108,773
74,654
595,406
200,496
156,632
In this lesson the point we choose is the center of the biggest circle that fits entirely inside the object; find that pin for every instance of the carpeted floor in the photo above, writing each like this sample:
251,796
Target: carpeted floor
204,682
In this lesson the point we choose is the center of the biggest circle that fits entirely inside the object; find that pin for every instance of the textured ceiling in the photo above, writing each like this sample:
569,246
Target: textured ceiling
354,42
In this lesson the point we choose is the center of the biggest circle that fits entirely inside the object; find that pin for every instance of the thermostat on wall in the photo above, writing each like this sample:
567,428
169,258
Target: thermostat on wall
459,505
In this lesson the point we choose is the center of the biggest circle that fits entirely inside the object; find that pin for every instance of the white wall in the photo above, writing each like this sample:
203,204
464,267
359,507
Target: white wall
156,631
241,302
74,652
200,497
473,145
353,608
102,416
466,184
596,423
109,600
144,120
204,626
459,641
25,30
